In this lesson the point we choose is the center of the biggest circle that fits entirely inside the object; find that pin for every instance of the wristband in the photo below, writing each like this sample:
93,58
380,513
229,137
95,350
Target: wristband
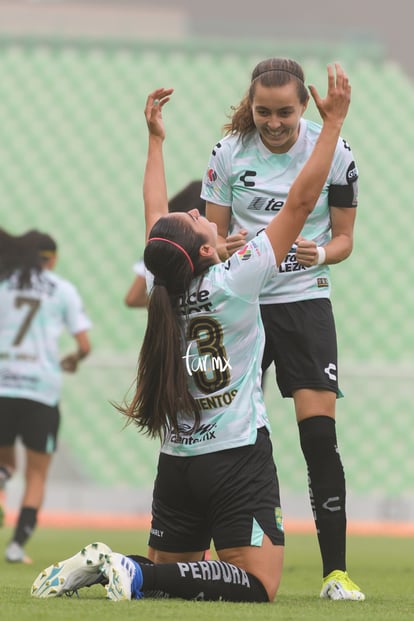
321,255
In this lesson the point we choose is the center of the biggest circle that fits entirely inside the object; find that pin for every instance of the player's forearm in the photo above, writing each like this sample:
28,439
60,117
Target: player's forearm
338,249
308,185
154,185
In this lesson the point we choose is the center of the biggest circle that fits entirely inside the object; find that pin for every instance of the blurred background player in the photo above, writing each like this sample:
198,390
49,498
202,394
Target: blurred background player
188,198
35,306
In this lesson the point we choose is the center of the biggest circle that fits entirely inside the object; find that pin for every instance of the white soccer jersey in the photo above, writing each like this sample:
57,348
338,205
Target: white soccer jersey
223,350
139,268
254,182
31,322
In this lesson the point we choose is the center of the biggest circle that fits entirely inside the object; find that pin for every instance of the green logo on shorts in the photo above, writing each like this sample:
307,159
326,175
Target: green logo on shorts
279,518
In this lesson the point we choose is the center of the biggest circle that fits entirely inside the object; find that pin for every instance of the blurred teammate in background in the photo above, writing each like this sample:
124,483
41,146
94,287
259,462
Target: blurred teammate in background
35,306
188,198
249,174
198,391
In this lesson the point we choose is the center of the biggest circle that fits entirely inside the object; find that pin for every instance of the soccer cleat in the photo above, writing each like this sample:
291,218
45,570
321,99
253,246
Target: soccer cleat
15,554
338,585
66,577
124,578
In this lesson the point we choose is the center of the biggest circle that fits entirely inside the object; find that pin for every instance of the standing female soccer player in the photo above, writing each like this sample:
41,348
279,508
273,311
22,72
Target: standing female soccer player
249,175
198,388
35,305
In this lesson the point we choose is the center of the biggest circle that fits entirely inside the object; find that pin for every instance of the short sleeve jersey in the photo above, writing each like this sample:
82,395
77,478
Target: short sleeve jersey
139,268
253,182
31,322
222,352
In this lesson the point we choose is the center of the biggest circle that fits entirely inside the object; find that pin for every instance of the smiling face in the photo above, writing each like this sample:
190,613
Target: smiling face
277,111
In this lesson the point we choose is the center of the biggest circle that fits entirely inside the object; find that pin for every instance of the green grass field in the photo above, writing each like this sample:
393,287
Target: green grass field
383,567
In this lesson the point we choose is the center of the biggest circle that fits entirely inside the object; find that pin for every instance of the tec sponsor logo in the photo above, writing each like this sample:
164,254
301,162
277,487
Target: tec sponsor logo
260,203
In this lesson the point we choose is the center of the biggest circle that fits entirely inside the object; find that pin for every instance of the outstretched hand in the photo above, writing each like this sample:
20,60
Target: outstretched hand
153,111
335,105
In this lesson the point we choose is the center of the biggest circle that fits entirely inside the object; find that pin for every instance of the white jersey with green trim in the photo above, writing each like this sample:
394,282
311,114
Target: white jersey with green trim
253,182
31,322
222,353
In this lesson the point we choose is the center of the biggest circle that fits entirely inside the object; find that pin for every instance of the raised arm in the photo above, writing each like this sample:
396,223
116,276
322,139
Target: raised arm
155,189
305,190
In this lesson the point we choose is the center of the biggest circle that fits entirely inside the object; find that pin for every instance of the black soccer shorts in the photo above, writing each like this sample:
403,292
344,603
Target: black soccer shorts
301,341
230,497
35,423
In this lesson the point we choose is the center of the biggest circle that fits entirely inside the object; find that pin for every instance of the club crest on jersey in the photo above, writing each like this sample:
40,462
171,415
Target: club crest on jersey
279,518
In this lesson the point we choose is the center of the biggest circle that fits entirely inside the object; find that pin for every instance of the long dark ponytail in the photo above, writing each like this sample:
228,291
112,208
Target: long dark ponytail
172,256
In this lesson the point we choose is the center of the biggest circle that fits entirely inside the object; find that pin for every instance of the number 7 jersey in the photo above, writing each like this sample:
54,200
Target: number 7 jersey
31,323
